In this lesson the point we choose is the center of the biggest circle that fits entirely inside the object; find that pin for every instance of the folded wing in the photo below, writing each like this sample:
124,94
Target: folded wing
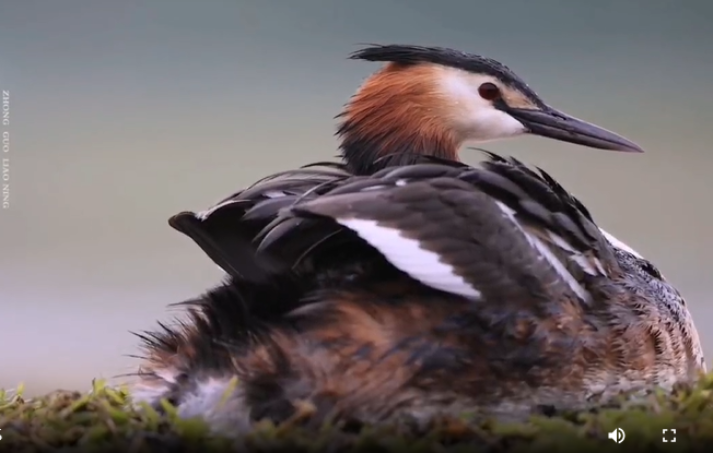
496,231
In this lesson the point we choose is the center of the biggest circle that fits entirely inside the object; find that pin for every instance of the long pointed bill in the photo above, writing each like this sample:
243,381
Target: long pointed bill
557,125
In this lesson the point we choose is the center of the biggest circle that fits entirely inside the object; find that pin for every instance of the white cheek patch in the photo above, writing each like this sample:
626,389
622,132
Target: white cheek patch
490,123
476,117
407,255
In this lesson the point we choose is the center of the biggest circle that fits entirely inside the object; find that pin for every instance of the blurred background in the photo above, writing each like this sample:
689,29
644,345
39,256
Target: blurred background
123,113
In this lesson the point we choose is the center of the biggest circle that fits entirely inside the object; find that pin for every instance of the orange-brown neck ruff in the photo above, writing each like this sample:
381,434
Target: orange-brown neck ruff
396,115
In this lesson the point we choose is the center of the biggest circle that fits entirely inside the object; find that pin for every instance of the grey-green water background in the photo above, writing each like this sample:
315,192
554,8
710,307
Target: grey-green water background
126,112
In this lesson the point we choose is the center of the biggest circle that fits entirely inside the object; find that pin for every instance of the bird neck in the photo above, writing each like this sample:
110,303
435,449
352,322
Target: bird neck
394,118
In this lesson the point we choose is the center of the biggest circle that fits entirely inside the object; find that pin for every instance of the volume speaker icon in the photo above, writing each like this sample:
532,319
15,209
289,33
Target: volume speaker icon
617,435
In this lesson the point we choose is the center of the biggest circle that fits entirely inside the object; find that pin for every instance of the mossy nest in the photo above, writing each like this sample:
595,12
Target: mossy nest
100,421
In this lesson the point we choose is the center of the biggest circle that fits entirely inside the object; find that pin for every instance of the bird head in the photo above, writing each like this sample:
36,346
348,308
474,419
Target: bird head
430,100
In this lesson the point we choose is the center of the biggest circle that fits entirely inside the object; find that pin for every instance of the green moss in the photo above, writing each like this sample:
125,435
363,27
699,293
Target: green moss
99,421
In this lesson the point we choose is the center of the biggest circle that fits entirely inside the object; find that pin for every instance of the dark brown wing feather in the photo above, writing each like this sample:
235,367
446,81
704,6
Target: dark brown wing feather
225,232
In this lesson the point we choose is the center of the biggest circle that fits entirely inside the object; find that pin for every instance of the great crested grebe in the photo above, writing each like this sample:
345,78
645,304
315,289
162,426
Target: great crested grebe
371,292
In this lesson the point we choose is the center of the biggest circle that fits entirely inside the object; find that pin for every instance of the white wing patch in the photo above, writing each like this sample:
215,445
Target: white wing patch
547,254
593,269
274,194
620,245
408,255
203,215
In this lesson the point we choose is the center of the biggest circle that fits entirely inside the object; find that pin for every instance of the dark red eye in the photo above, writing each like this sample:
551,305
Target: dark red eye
489,91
